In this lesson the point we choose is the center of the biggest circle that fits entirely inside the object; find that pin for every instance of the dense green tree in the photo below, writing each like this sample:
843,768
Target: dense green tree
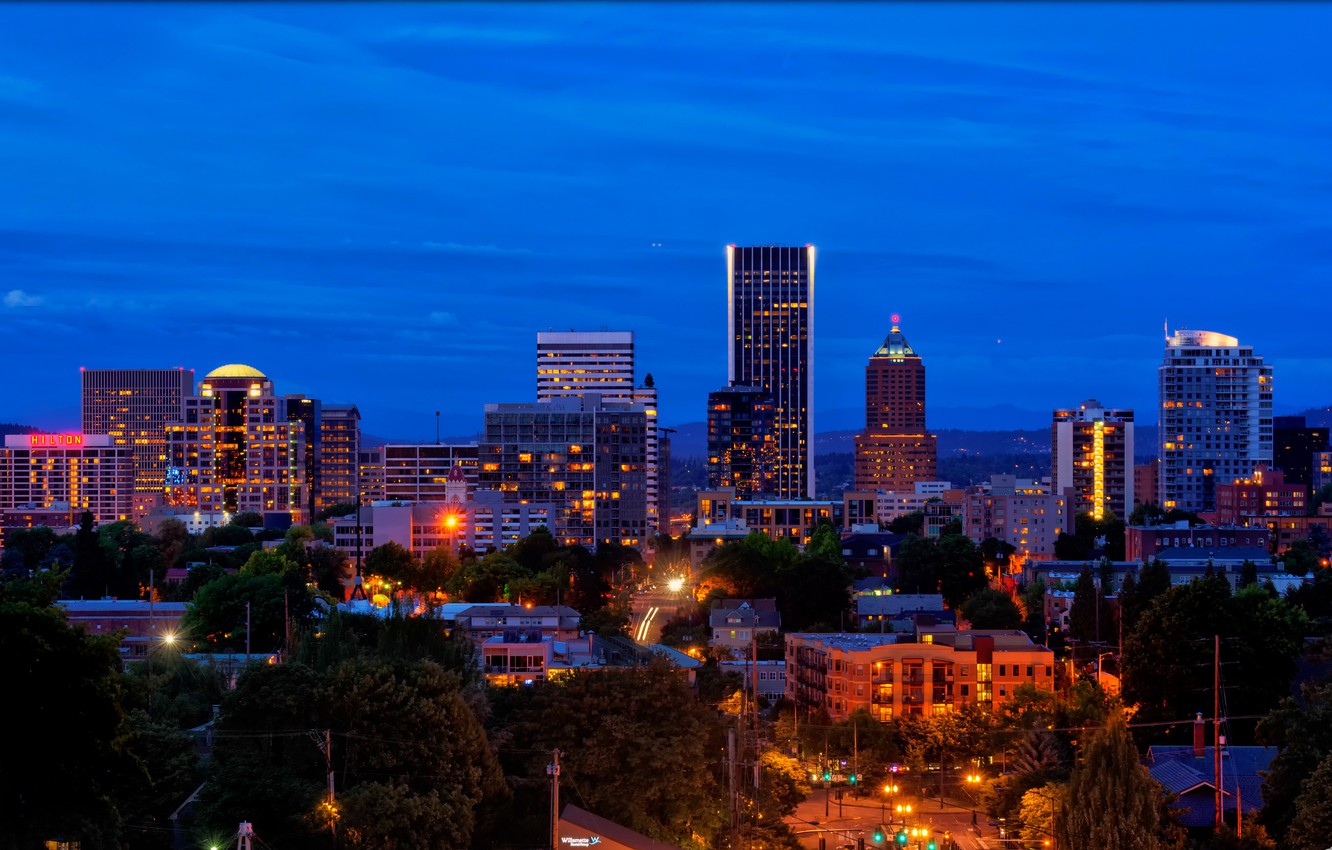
267,562
330,570
248,519
812,591
1312,825
1301,558
1036,812
167,773
31,545
825,542
386,720
225,535
59,777
1090,619
1301,730
216,617
1111,779
988,608
912,523
1033,604
611,726
950,564
485,579
339,510
1168,653
392,562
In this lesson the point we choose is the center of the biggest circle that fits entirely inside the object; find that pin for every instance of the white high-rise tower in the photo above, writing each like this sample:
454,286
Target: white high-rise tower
1216,417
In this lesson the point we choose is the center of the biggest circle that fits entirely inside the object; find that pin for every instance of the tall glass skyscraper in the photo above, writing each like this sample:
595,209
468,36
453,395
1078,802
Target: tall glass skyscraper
1216,417
770,325
134,407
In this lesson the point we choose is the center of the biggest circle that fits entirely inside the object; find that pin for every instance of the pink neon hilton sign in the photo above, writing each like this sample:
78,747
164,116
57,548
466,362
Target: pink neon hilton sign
48,441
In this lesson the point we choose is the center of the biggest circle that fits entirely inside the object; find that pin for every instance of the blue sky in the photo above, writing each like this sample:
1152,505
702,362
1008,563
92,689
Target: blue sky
384,203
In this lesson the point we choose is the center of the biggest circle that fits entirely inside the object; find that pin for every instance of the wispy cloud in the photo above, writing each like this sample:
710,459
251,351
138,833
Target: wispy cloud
17,298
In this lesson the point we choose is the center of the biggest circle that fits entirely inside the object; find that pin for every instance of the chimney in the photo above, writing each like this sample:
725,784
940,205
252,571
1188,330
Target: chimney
1199,736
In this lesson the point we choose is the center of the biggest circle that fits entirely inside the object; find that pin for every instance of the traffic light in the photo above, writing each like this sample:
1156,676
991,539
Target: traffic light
931,845
852,779
901,838
827,776
878,835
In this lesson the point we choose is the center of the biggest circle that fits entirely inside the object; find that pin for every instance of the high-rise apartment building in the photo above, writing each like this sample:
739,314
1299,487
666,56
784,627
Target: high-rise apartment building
770,328
235,450
339,445
583,456
1091,452
369,472
576,362
645,396
89,472
133,406
1216,417
742,443
420,472
895,451
310,413
1294,446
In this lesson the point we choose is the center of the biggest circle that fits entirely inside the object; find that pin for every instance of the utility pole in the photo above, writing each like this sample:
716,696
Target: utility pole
553,770
1216,727
325,745
733,776
247,634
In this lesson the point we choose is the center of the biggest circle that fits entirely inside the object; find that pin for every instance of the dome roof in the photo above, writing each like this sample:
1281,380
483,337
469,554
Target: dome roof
235,370
895,345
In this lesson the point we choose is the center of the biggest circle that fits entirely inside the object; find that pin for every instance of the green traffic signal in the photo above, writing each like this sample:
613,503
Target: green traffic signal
878,836
901,837
852,780
930,846
827,777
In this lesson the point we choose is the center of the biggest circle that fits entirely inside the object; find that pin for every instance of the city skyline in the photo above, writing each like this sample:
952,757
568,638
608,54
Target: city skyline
350,198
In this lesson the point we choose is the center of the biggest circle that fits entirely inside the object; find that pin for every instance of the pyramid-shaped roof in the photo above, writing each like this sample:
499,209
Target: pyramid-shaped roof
895,345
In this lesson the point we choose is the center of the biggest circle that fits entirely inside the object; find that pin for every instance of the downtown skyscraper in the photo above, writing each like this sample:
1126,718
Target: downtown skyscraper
134,406
770,346
895,451
1216,417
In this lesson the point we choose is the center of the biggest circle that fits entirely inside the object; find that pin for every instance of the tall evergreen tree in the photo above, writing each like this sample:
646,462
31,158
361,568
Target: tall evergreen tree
1113,803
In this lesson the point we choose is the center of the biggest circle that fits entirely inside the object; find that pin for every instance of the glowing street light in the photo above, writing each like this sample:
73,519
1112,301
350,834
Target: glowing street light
675,585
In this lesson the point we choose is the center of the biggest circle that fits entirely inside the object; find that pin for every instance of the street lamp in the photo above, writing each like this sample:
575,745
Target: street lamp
890,788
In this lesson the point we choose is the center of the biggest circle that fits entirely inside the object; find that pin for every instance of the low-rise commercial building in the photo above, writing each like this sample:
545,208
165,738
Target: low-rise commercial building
1024,514
894,676
1142,543
147,626
1259,498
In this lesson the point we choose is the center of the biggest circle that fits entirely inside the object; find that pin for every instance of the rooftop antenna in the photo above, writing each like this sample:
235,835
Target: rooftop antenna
1165,325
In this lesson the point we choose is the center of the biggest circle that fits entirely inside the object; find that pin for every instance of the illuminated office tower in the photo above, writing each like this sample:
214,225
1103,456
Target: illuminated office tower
89,472
770,345
894,451
310,413
1216,417
133,406
742,452
1091,452
646,397
235,449
576,362
339,447
583,456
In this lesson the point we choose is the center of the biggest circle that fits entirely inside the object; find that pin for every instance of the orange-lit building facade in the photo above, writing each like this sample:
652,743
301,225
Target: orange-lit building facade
234,449
1091,454
86,472
742,448
583,456
1263,496
770,324
133,407
894,451
891,678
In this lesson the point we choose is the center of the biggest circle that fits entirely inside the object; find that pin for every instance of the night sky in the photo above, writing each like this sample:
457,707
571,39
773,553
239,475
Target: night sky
384,204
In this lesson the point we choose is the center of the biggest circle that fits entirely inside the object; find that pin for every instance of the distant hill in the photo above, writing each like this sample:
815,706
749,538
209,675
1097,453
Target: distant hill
11,428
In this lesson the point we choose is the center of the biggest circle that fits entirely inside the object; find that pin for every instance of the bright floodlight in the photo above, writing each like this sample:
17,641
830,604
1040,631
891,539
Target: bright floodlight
169,638
675,584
